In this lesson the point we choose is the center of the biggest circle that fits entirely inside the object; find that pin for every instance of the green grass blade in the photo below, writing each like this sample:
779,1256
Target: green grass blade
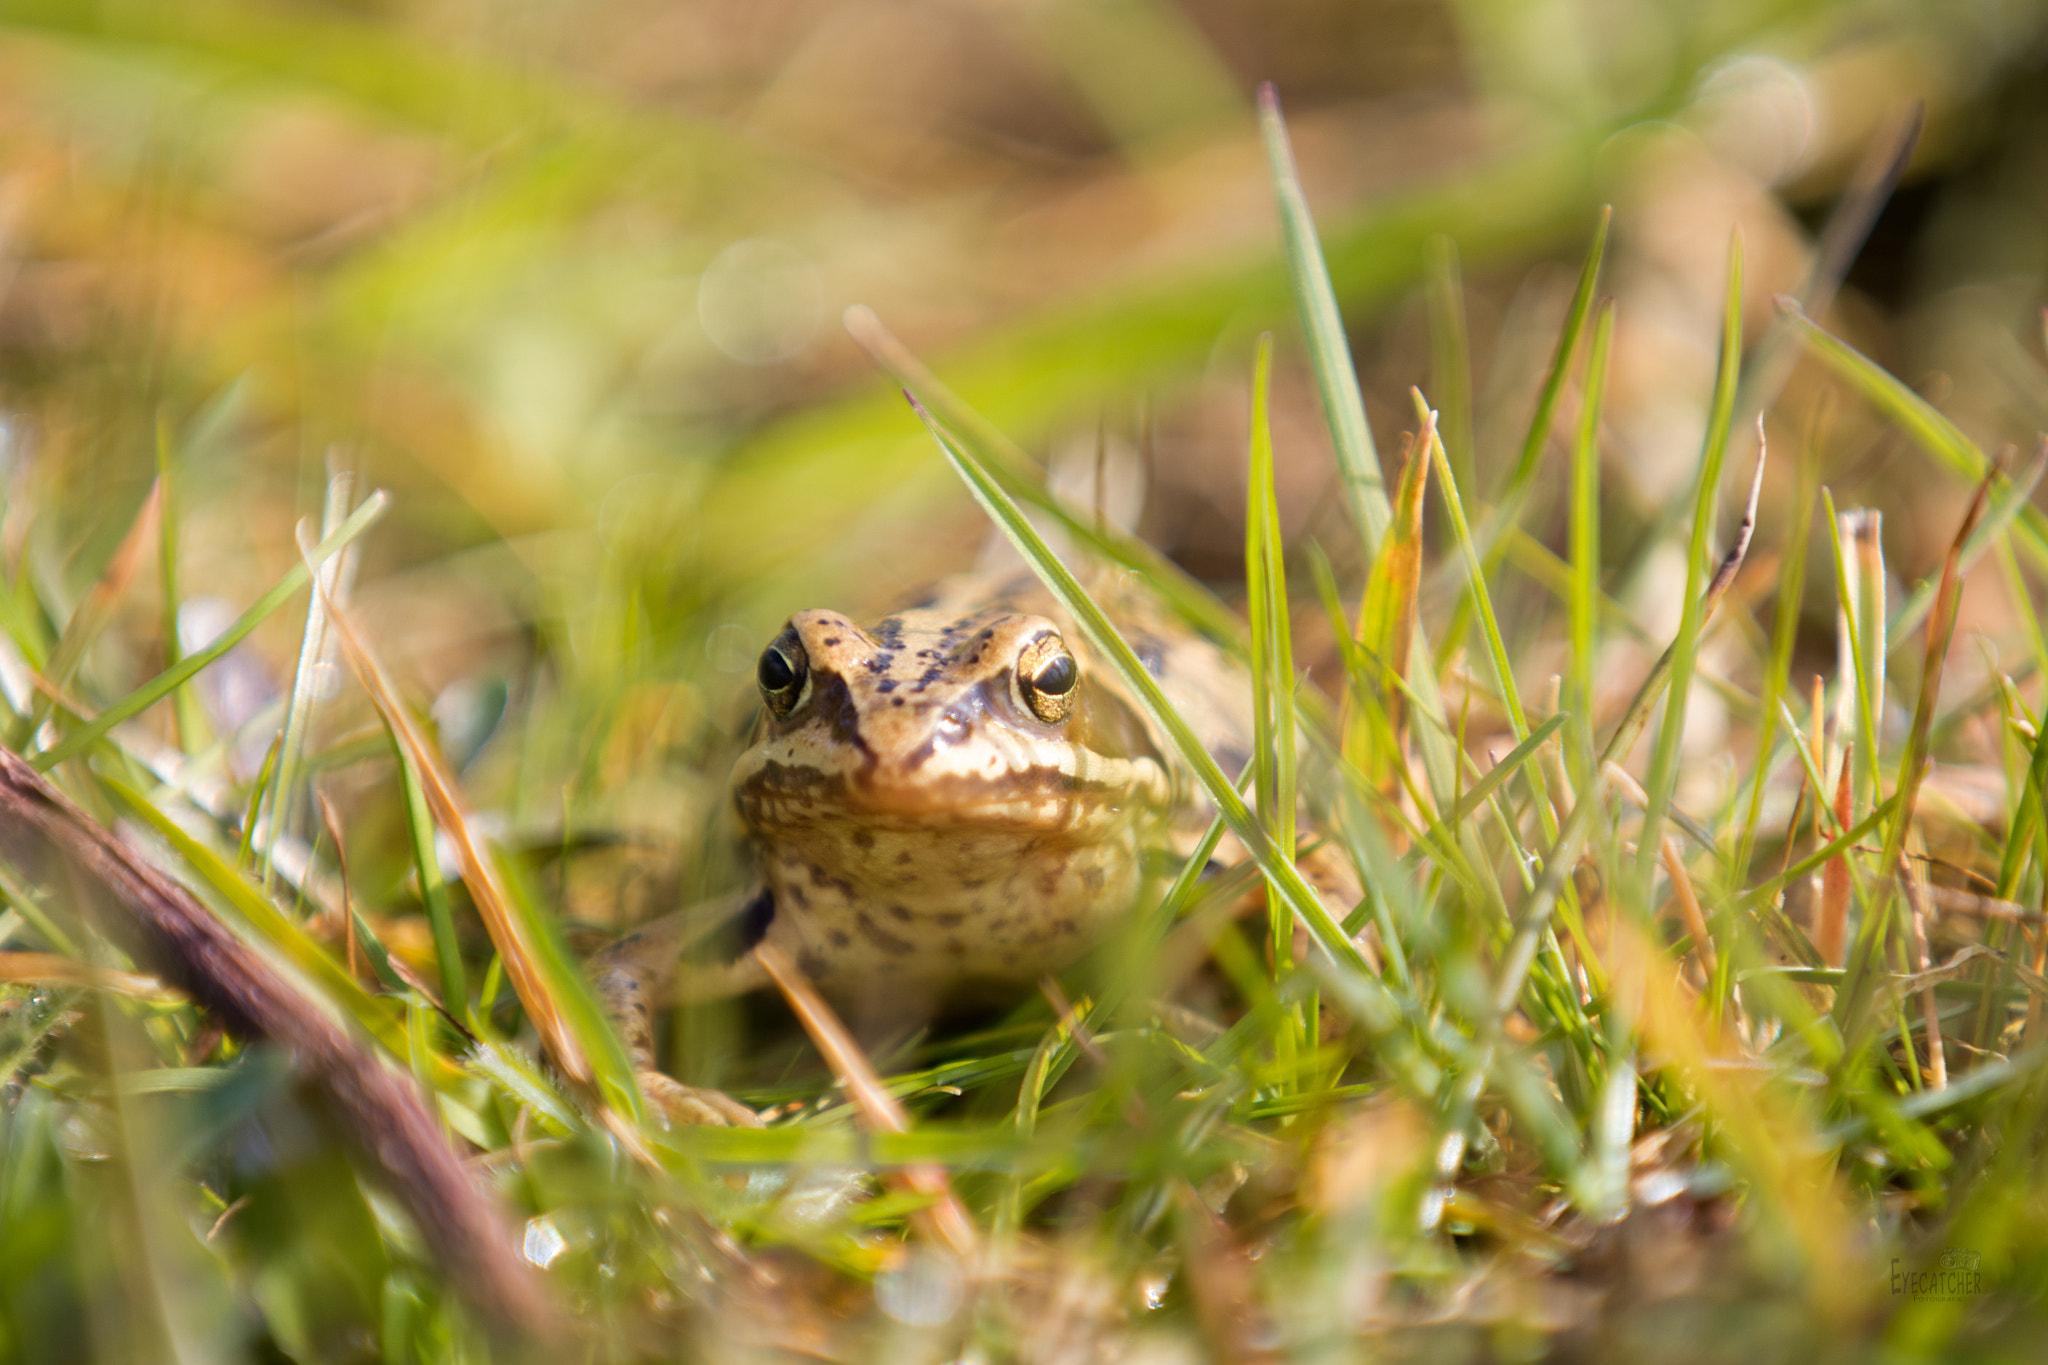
190,730
1011,465
157,688
1355,978
1784,634
1915,416
426,863
1315,303
1450,357
1585,541
333,574
1496,647
267,924
1663,775
1533,444
1272,688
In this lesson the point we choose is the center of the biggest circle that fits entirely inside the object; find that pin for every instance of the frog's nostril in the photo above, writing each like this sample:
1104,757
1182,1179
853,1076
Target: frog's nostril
951,729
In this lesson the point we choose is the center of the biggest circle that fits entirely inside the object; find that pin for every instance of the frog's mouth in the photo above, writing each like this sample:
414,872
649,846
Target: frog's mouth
773,795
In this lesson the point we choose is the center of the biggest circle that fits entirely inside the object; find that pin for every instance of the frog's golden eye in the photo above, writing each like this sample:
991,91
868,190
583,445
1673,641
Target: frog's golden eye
1046,676
782,673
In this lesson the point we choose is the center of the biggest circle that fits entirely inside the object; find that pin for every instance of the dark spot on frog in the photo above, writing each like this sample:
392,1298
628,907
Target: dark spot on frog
840,938
798,894
1092,879
863,838
882,938
897,912
755,918
834,705
903,858
879,663
896,701
831,641
812,964
949,920
887,685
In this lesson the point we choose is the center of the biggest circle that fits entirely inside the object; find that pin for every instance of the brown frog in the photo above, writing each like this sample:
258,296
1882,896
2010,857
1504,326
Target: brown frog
943,806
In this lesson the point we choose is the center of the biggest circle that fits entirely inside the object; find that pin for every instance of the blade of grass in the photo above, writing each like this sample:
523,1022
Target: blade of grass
1913,767
1585,544
426,863
1784,633
1356,984
181,672
308,672
1531,922
1664,757
1386,624
188,718
1315,303
1007,461
266,924
2013,498
1508,511
1856,709
1496,648
1450,356
1915,416
946,1220
1273,686
550,986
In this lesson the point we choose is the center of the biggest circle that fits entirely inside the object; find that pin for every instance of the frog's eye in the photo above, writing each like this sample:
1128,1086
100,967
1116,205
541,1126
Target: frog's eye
1046,676
782,672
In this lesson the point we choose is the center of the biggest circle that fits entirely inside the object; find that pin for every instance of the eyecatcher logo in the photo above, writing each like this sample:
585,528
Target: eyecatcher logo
1955,1276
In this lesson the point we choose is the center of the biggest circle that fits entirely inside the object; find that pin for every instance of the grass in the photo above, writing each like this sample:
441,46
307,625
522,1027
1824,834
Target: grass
1565,1070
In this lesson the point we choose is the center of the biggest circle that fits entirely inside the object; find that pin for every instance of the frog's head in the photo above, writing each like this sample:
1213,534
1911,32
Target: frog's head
925,721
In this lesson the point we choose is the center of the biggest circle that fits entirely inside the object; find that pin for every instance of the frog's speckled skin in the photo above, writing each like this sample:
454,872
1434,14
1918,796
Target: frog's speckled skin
923,838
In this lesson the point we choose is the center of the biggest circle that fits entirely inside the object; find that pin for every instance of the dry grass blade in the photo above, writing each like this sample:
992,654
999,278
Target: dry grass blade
946,1221
98,606
47,839
1386,617
1683,895
547,995
1831,928
52,969
508,933
1941,627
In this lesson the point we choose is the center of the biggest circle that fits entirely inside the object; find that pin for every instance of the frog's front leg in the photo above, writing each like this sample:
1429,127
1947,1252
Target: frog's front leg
645,971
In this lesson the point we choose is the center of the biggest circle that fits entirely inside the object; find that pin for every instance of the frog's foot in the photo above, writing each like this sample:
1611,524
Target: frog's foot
680,1103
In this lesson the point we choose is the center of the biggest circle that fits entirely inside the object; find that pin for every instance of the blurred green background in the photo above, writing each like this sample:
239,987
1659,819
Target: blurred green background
568,278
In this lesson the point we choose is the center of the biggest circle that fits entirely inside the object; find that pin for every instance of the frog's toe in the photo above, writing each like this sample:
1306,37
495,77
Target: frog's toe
681,1103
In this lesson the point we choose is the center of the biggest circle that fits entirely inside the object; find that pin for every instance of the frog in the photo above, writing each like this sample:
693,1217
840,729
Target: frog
944,805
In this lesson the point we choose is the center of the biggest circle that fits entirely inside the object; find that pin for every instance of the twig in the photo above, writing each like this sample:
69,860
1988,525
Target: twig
50,841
